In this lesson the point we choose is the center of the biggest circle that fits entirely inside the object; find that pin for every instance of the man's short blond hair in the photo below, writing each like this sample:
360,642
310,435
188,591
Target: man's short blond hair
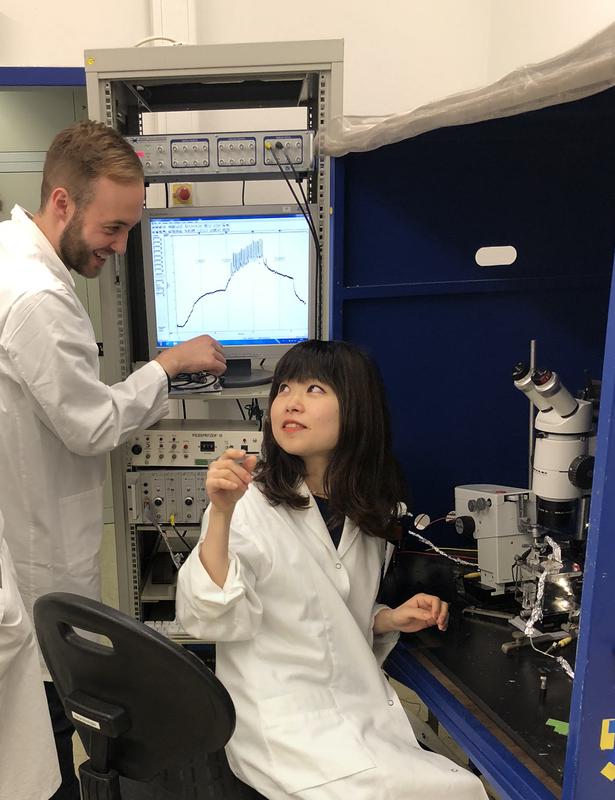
84,152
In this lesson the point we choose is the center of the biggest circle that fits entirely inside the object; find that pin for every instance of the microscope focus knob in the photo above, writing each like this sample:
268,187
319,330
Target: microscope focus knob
465,526
581,472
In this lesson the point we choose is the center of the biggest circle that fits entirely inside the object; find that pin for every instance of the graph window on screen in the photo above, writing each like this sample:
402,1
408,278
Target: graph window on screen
244,275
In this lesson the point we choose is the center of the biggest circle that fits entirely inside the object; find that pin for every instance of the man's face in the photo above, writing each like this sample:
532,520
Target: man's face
101,228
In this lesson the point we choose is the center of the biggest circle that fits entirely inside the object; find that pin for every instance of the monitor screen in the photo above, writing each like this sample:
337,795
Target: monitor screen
243,274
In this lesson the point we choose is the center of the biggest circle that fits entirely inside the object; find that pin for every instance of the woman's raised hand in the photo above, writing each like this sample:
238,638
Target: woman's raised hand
228,478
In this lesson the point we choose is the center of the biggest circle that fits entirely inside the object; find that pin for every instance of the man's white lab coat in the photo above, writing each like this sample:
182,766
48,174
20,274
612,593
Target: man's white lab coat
58,419
316,717
28,759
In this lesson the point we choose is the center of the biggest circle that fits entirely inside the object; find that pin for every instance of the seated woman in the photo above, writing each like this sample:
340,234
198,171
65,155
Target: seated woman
285,580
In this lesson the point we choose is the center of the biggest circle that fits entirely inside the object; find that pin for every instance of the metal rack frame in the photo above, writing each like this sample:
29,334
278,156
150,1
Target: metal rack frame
122,85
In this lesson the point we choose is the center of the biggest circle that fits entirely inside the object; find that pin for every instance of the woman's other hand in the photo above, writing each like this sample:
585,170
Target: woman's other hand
419,612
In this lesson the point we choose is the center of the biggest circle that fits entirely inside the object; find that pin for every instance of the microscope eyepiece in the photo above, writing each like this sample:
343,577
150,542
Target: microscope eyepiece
520,370
522,378
541,376
549,386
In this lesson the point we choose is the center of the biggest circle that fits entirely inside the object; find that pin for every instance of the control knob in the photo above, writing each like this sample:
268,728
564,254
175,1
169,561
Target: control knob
465,526
581,472
480,504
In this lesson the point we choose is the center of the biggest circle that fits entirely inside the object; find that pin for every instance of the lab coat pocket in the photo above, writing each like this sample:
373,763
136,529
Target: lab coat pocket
310,741
80,531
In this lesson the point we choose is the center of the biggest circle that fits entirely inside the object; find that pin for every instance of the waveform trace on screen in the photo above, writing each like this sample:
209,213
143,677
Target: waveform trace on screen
244,279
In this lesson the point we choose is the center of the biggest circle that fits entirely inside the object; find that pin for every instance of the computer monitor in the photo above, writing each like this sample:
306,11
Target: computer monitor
244,274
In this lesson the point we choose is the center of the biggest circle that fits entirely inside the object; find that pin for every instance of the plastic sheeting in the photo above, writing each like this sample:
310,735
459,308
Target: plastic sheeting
580,72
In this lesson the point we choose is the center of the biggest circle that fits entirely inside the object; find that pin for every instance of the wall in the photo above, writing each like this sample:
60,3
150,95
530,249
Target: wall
393,60
39,34
526,31
412,52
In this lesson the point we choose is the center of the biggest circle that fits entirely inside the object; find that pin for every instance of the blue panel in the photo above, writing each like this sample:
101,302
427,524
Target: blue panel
591,746
418,210
42,76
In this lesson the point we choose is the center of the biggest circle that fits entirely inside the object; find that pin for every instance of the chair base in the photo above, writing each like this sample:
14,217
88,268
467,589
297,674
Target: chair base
98,786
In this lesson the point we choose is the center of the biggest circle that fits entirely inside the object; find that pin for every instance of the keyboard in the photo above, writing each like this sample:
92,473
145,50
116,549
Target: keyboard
173,630
168,627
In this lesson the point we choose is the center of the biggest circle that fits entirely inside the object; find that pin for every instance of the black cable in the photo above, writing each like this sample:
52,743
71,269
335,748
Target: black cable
194,382
243,193
300,184
240,408
166,193
308,218
184,407
313,228
257,412
182,537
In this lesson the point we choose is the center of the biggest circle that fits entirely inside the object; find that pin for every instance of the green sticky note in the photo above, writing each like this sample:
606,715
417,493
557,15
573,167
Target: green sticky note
558,726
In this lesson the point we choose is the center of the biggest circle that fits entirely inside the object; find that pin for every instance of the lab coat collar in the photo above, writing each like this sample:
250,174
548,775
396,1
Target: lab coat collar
38,238
315,522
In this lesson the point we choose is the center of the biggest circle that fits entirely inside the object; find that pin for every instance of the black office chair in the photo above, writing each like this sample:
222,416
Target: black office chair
152,717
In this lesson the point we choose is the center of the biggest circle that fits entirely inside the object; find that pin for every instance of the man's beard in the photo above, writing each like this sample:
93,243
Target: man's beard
74,252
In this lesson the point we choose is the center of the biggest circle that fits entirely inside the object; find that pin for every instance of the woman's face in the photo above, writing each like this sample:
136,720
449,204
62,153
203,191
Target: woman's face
305,420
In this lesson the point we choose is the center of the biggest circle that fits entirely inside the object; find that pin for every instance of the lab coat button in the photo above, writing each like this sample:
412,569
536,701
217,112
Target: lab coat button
391,703
338,565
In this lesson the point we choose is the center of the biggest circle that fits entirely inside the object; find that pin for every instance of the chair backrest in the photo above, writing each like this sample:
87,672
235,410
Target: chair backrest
164,704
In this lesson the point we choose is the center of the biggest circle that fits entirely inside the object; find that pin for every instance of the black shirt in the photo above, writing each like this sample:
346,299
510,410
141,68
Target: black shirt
334,530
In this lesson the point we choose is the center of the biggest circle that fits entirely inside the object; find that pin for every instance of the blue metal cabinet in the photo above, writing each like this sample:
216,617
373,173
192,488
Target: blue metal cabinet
409,219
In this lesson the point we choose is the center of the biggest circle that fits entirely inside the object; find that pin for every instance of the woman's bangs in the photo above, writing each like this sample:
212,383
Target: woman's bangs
306,363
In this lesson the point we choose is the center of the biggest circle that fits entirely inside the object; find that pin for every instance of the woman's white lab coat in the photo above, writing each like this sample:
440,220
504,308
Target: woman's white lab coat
28,760
58,420
316,717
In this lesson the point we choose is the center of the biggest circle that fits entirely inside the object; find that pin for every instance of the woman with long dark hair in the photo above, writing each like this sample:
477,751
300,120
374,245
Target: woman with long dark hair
285,580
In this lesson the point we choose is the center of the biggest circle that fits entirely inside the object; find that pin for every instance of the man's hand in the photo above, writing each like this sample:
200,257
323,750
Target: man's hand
201,354
419,612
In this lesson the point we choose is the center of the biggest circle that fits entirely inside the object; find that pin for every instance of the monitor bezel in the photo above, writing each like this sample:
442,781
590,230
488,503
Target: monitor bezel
235,351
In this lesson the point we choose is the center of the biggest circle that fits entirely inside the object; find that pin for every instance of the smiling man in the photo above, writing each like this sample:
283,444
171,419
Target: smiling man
58,420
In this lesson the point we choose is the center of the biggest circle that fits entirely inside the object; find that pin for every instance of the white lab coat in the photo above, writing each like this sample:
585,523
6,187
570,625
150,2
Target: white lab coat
316,717
28,759
58,419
